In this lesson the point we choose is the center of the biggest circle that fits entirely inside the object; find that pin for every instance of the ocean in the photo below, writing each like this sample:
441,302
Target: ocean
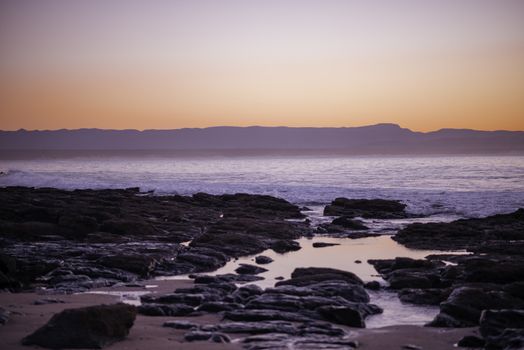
465,186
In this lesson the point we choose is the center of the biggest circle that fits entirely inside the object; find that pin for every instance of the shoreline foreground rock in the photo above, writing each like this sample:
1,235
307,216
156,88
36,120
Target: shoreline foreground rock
471,289
72,241
92,327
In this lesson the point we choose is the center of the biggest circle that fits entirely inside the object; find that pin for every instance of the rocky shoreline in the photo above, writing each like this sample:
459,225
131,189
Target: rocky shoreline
73,241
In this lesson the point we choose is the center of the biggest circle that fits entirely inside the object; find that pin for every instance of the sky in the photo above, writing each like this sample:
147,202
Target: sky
163,64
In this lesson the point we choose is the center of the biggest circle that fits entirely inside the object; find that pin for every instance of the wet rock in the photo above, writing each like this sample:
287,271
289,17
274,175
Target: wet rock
256,327
312,275
344,315
93,229
246,269
372,285
501,272
515,289
152,309
430,296
285,246
128,227
250,315
367,208
46,301
89,327
330,288
464,306
503,329
211,336
262,259
4,316
203,261
179,298
245,293
387,266
219,306
283,341
228,278
8,273
139,264
464,233
180,325
471,341
323,244
412,279
349,223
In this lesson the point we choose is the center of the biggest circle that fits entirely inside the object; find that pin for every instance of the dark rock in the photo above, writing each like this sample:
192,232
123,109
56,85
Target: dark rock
46,301
430,296
251,315
503,329
464,306
128,234
312,275
284,246
228,278
128,227
387,266
245,293
211,336
260,327
349,223
150,309
246,269
305,341
471,341
367,208
464,233
89,327
401,279
515,289
4,316
179,298
344,315
323,244
219,306
139,264
180,325
262,259
372,285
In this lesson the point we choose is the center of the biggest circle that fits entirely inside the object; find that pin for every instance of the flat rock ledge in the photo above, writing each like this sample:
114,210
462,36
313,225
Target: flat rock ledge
71,241
305,309
484,287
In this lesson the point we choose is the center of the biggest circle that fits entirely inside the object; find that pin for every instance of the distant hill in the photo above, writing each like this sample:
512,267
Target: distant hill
374,139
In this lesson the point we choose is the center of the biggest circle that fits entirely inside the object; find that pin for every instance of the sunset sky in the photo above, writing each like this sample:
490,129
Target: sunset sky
159,64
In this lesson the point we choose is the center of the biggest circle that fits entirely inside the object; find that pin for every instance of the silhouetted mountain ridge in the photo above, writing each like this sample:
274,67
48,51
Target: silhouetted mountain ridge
379,139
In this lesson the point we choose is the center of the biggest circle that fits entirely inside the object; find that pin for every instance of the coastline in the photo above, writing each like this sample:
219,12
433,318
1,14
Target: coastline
148,333
91,247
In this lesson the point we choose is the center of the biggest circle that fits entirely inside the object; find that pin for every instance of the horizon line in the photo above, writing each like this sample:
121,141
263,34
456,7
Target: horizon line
256,126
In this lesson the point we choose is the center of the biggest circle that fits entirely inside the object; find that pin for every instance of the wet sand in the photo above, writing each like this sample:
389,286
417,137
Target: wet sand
148,333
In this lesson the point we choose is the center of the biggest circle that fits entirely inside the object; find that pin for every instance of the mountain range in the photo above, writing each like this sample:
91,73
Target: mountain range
373,139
